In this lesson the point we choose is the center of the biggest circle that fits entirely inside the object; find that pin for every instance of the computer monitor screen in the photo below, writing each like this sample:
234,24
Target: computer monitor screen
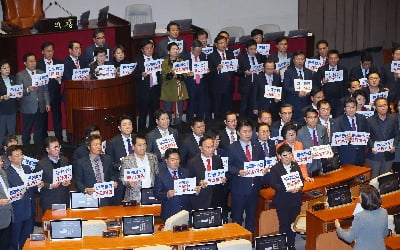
66,229
80,200
277,242
147,197
388,183
138,225
206,218
206,246
339,196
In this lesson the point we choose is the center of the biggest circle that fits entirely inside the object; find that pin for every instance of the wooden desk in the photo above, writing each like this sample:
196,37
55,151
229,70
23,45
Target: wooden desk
226,232
322,221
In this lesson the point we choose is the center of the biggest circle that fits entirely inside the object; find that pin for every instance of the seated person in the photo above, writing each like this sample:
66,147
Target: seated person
119,57
99,39
100,55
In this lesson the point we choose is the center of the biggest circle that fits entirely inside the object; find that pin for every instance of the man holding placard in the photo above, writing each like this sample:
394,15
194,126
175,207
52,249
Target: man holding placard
361,71
173,36
282,57
99,39
53,192
35,103
322,51
189,146
74,60
391,75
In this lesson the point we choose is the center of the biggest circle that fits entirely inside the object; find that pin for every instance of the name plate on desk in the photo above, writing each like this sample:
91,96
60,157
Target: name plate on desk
58,24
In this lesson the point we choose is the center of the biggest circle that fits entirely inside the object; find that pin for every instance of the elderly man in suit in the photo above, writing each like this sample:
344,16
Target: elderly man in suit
173,36
94,168
324,112
139,158
5,209
35,102
189,146
52,192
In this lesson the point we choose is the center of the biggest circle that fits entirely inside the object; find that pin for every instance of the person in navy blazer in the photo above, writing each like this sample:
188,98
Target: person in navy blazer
268,146
189,146
83,171
322,51
247,78
365,67
325,119
99,39
73,60
287,202
8,106
164,185
24,212
228,135
244,189
389,79
299,99
351,154
147,94
173,30
54,87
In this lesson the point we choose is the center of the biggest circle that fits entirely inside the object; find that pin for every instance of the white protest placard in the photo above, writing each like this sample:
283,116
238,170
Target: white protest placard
334,76
62,174
103,189
126,69
229,65
368,107
254,168
363,82
383,146
225,161
367,114
263,48
214,177
303,156
134,174
200,68
80,74
395,66
276,139
16,193
152,66
283,64
292,180
185,186
181,67
106,72
357,138
40,79
302,85
55,70
179,43
15,91
273,92
34,179
165,143
313,64
236,52
207,50
373,97
257,68
270,162
339,139
321,152
29,161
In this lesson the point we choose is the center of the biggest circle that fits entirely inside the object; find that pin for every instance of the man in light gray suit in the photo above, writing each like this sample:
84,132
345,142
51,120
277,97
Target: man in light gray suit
35,103
5,210
312,134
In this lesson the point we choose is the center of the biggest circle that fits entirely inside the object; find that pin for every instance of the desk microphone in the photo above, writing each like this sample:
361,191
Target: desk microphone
59,6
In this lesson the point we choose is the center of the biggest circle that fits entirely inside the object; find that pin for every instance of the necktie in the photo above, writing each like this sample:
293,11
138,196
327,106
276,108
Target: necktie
253,61
232,137
223,56
97,170
129,145
150,75
49,62
197,76
32,72
314,138
208,165
353,125
327,130
175,176
266,151
77,64
248,155
300,75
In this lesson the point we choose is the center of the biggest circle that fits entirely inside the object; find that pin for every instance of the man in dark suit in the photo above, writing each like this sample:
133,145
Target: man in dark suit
196,84
228,135
324,112
54,88
285,113
247,76
82,149
244,189
94,168
268,77
8,141
221,84
163,129
99,39
189,146
333,91
299,99
34,104
365,67
74,60
24,213
268,146
148,86
173,36
210,196
389,79
322,51
52,193
6,210
120,146
351,121
164,185
281,55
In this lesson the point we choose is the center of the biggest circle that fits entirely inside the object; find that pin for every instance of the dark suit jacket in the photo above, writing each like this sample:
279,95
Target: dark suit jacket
188,148
318,57
69,66
258,95
332,90
59,195
388,81
271,148
80,151
23,208
219,82
162,184
116,150
246,81
190,80
6,211
88,55
274,57
211,196
351,154
143,84
224,139
7,106
54,86
155,134
162,50
357,73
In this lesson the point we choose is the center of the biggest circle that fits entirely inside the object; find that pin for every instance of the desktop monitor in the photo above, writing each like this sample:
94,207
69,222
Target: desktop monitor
80,200
388,183
184,24
103,15
138,225
396,222
84,19
206,246
276,242
144,29
147,197
338,196
65,229
207,218
330,164
273,35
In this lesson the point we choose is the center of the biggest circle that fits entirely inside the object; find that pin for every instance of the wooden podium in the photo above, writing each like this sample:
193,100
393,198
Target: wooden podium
98,102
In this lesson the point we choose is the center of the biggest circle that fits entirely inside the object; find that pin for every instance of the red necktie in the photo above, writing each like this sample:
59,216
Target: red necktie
208,165
197,77
223,56
49,62
77,64
248,155
175,176
150,75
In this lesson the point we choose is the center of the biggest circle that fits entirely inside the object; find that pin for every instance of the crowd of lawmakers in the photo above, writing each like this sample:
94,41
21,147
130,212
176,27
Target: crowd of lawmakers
302,117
